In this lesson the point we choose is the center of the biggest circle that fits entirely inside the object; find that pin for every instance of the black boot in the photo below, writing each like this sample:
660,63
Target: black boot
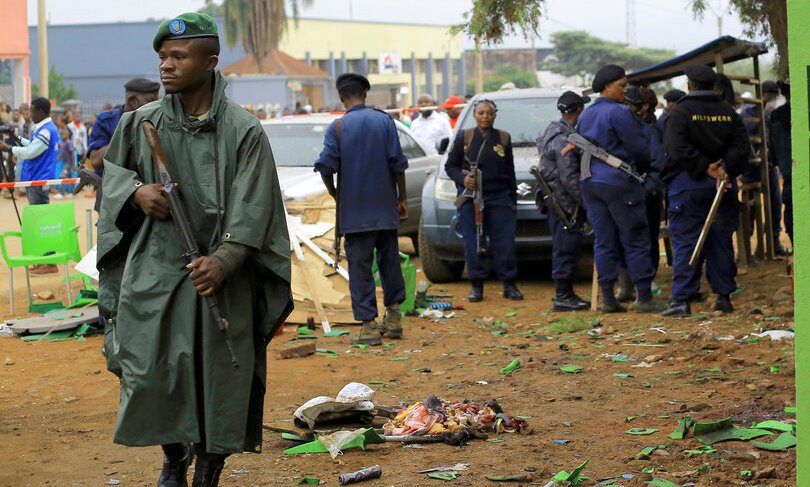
176,459
208,469
678,310
510,291
609,302
724,305
477,291
626,288
567,300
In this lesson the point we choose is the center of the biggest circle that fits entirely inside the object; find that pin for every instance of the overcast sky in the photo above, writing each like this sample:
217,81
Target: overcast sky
659,23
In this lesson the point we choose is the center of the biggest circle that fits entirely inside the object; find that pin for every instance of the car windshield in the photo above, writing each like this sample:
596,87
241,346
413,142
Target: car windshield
524,118
295,144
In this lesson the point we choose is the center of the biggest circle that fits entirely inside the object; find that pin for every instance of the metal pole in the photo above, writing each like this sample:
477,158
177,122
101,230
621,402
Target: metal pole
42,40
479,67
88,214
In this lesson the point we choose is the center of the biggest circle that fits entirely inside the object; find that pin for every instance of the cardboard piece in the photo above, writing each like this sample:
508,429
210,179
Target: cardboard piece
57,320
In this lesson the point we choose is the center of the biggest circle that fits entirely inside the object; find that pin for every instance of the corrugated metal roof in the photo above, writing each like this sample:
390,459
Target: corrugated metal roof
276,63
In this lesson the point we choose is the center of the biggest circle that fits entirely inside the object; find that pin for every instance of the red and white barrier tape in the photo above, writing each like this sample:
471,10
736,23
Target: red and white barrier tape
43,182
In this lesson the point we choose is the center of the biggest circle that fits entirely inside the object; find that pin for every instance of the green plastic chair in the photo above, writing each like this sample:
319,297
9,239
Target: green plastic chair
45,228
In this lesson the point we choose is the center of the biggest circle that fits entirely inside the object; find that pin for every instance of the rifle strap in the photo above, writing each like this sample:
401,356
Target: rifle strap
502,135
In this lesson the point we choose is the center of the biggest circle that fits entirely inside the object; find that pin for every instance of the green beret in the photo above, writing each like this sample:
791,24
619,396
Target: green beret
185,26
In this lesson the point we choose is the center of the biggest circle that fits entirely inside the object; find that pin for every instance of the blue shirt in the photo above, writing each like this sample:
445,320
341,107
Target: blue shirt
367,158
43,166
104,128
613,127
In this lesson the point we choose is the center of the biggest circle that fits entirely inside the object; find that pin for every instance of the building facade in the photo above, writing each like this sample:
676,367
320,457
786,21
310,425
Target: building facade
401,60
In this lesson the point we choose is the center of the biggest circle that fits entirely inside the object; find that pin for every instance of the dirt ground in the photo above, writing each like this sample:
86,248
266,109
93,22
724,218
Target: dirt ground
58,402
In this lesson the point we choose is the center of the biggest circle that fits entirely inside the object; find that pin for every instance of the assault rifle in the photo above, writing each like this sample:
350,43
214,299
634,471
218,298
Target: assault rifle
477,195
548,197
589,150
192,251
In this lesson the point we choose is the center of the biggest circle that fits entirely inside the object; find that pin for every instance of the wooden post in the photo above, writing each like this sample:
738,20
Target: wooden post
765,169
479,67
42,41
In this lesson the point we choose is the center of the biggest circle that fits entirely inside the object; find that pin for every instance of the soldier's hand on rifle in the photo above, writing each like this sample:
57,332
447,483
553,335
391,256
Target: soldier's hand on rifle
717,171
469,181
402,210
206,275
150,199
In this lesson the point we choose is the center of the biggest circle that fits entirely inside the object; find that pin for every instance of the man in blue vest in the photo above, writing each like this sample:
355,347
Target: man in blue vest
38,156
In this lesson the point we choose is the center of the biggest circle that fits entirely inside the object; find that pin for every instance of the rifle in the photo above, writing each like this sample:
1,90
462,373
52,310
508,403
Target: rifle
550,198
722,187
192,251
477,195
589,150
87,176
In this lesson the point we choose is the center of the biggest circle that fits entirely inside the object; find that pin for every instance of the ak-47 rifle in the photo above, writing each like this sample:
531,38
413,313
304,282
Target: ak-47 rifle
590,150
192,251
722,187
477,195
87,176
548,197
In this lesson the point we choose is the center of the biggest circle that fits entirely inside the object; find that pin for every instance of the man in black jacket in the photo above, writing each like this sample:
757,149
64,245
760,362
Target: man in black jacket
561,172
706,142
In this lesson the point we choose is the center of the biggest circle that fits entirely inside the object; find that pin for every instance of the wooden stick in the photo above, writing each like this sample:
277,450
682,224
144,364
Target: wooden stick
299,254
595,289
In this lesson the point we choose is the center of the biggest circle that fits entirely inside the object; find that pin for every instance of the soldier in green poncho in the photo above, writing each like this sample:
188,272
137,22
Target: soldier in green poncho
178,387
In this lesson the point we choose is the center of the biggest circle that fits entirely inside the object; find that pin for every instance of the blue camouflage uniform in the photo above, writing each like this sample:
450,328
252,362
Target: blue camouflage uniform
561,172
101,135
499,182
614,202
366,159
701,130
655,189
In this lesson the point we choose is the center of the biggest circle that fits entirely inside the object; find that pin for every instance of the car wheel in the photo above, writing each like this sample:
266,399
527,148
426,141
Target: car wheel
436,269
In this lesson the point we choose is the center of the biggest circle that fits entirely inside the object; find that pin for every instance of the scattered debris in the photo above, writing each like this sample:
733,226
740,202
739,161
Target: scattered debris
369,473
299,351
458,466
354,400
513,366
450,475
8,361
573,478
776,335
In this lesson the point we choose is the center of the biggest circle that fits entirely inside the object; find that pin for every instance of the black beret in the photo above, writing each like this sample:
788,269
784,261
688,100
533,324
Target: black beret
770,86
570,101
633,96
672,96
142,85
700,73
345,80
784,87
606,75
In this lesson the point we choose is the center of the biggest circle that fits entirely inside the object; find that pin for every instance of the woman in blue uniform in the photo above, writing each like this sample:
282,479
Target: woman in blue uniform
491,150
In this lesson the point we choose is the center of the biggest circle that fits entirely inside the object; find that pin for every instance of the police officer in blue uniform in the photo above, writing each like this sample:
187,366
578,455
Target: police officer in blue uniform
137,93
363,149
781,152
492,150
616,203
561,172
671,97
706,142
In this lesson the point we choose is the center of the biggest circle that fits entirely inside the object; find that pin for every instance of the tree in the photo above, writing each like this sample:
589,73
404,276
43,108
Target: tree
490,20
257,24
579,53
760,18
57,89
504,73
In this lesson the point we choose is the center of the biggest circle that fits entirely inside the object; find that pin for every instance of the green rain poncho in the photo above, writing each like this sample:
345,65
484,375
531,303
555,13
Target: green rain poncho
177,381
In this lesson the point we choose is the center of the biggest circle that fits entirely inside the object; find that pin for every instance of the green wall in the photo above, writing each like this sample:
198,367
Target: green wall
799,44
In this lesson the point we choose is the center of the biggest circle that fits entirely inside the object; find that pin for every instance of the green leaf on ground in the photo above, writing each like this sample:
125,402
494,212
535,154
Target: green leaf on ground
662,483
774,425
641,431
781,443
513,366
571,369
511,314
444,475
682,429
399,359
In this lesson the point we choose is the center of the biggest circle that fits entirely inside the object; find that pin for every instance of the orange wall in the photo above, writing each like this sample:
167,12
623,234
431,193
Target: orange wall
14,33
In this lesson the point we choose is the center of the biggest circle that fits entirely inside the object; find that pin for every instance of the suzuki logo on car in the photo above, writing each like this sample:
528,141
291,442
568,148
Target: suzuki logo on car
523,189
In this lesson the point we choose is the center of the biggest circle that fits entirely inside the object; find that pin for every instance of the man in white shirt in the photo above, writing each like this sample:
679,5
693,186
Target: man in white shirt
430,127
78,133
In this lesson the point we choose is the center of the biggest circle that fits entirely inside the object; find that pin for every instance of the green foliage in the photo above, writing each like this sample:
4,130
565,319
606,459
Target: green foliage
257,24
491,20
212,8
504,73
57,89
580,53
760,19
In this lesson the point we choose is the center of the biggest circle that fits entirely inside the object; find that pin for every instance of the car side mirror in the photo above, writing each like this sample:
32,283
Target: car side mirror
441,145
